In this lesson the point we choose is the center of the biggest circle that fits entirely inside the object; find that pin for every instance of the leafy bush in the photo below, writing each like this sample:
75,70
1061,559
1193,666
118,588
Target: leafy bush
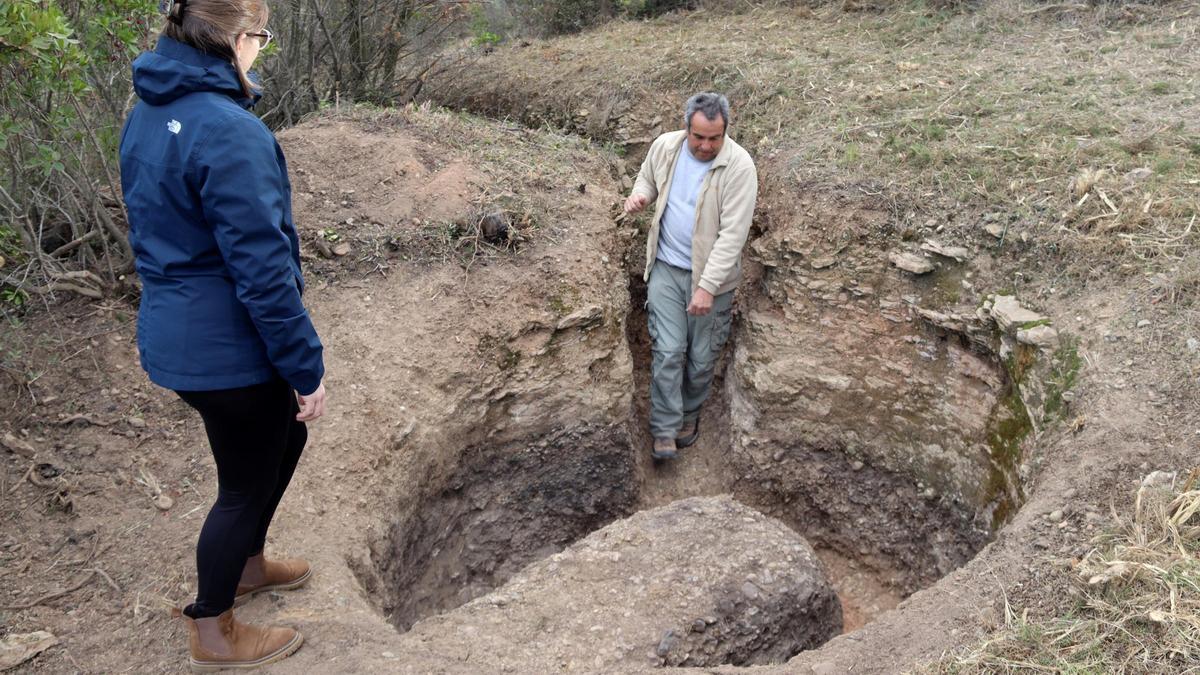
651,8
556,17
63,91
559,17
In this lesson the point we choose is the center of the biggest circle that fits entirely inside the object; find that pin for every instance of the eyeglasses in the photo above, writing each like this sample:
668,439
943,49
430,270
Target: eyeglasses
264,38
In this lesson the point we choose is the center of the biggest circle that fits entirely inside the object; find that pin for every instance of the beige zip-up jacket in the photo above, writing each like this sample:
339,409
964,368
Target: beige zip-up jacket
724,209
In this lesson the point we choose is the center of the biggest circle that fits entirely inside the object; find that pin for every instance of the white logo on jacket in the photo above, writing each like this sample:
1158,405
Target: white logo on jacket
174,126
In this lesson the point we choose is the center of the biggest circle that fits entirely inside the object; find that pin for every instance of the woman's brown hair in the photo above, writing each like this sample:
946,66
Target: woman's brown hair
213,27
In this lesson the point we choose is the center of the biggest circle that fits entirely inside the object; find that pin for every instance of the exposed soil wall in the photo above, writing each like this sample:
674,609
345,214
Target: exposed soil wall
502,509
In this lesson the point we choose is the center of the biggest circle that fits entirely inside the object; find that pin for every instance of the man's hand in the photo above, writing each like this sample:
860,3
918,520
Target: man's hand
701,303
312,406
635,203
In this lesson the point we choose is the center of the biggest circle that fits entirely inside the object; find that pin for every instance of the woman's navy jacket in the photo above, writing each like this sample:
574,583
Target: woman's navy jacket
210,222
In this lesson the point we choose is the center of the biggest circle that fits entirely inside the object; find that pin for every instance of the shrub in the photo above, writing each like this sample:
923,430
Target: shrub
63,83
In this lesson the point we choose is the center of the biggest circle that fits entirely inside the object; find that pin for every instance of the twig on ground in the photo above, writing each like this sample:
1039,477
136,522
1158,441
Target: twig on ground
26,477
107,578
68,287
72,245
51,596
1052,8
91,554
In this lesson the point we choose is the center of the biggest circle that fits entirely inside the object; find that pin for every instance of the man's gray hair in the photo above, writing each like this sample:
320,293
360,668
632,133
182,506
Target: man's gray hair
709,103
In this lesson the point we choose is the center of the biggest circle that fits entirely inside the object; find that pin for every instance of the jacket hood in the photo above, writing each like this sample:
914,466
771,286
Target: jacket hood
174,70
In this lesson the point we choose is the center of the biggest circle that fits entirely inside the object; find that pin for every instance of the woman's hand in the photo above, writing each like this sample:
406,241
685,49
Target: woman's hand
312,406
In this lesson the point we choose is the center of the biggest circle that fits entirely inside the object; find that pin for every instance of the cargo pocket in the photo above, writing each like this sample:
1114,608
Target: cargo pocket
722,323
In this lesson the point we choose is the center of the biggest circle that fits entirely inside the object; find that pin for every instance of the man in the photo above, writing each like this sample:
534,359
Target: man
703,186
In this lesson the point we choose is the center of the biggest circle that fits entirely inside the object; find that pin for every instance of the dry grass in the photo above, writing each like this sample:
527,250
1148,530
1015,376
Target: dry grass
1136,602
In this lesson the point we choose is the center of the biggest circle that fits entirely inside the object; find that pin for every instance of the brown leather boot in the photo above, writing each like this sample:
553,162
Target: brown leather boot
261,575
664,448
688,434
220,642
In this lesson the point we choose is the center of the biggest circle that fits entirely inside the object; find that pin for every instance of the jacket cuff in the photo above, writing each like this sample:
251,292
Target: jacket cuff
709,286
307,383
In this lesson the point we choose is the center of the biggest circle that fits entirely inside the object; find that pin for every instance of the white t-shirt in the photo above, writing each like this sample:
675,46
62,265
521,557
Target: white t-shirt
679,216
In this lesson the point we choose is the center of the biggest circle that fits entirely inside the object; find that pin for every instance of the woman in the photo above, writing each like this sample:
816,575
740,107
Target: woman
221,321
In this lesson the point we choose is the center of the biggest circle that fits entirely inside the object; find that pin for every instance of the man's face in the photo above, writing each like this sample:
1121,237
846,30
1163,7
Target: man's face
705,137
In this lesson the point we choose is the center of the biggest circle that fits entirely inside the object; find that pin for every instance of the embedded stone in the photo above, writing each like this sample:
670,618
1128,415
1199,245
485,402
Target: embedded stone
1008,312
692,558
1038,336
911,262
958,253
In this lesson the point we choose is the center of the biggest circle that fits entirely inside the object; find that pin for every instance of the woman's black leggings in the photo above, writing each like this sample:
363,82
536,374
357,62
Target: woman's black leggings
256,442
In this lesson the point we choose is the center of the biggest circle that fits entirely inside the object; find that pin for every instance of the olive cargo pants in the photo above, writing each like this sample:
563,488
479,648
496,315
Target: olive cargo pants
683,348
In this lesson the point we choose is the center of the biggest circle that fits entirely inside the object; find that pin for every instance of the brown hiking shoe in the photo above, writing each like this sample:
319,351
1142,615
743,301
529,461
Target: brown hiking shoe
263,575
220,642
688,433
664,448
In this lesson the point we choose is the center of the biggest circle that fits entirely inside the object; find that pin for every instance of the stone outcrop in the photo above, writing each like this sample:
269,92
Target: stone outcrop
1042,363
1009,313
911,262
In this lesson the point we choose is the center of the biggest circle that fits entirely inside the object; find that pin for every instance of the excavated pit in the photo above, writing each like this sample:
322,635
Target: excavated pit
882,423
501,510
880,532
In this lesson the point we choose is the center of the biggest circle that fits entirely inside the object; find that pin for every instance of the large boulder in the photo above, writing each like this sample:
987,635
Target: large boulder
700,582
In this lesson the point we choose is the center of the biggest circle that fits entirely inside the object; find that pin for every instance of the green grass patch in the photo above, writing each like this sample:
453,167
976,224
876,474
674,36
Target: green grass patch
564,300
495,350
1064,373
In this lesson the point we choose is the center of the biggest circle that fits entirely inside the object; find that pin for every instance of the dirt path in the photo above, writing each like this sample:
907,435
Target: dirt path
700,470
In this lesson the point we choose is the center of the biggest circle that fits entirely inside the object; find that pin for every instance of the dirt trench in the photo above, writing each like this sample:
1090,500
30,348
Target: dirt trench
879,533
854,403
501,510
492,411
